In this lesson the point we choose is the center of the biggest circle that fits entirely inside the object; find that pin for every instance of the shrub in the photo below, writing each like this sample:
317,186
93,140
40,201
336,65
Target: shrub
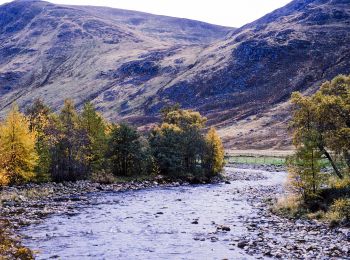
337,183
24,254
3,178
340,210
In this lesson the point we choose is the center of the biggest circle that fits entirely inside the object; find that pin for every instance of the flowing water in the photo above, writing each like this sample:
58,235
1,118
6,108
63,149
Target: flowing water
157,223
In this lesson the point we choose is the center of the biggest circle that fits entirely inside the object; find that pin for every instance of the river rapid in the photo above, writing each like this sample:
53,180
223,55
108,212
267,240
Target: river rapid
184,222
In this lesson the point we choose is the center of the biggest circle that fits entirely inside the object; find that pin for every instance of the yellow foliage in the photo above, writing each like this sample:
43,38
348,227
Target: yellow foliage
337,183
340,210
216,151
17,149
323,118
4,180
165,127
24,254
185,119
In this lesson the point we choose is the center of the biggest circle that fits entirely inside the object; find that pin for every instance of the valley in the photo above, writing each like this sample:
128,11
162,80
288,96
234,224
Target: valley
131,135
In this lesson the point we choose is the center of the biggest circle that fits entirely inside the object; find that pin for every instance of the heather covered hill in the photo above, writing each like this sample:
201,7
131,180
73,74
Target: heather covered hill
248,76
60,51
131,64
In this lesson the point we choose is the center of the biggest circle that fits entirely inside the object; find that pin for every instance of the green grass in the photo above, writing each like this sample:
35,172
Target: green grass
269,160
257,160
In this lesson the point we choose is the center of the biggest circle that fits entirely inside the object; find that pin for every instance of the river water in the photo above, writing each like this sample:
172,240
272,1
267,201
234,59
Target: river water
157,223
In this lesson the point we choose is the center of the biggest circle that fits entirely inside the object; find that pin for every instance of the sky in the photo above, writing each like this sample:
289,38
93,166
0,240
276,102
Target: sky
233,13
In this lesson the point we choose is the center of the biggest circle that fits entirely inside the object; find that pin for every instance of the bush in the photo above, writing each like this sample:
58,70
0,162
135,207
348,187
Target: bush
340,210
11,248
3,178
340,184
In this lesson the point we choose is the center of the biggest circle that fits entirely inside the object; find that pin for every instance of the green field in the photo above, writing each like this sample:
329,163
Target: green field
258,160
270,160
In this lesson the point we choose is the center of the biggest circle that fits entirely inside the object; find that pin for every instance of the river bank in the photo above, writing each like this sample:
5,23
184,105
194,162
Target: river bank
269,235
229,219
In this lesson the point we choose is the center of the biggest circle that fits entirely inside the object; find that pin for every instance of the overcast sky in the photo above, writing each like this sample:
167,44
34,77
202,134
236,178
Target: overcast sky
234,13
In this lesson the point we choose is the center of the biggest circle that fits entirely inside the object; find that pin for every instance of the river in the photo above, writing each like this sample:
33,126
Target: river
158,223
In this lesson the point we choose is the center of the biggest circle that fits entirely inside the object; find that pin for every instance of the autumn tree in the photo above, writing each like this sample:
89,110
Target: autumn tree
321,124
326,115
333,101
18,157
179,147
214,156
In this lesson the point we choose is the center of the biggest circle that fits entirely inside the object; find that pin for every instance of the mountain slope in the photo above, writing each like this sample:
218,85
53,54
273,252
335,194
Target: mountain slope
256,68
131,64
92,53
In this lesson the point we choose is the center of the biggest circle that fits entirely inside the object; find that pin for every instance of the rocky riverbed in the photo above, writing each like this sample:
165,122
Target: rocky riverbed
269,235
29,204
32,203
227,220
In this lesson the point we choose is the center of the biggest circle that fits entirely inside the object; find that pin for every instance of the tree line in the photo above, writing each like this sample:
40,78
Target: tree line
40,145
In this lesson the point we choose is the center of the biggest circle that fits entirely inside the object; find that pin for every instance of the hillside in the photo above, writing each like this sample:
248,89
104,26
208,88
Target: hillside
91,53
131,64
244,81
174,30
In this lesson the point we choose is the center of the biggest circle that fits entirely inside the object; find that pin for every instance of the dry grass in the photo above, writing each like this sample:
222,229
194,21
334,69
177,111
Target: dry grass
288,206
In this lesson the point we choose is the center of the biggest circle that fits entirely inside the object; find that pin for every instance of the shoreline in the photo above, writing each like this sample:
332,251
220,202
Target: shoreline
272,235
268,235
